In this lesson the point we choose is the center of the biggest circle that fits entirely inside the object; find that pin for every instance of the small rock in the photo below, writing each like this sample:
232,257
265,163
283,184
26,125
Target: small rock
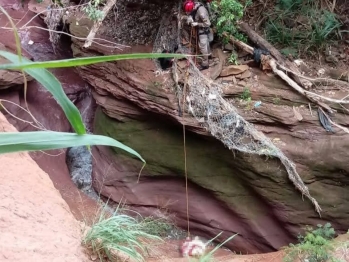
246,74
298,115
234,70
320,72
331,59
229,47
234,80
94,257
242,83
30,42
228,78
298,62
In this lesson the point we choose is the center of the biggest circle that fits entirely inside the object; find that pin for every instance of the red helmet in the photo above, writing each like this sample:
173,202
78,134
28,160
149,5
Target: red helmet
188,6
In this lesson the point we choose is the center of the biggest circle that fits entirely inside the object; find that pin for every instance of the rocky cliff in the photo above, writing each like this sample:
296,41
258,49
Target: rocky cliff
229,191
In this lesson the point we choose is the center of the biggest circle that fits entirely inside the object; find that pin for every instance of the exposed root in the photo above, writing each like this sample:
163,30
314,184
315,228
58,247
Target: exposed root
310,95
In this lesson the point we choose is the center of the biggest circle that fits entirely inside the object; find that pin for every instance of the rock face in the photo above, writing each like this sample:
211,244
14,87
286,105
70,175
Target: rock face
229,191
42,105
36,224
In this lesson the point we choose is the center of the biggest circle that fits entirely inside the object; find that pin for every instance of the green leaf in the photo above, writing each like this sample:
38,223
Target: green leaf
46,140
83,61
51,83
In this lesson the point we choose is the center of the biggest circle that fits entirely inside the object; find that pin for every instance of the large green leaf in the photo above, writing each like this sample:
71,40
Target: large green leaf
46,140
51,83
83,61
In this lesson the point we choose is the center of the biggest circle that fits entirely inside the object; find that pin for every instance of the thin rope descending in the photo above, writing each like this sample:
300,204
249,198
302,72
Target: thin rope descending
184,144
205,102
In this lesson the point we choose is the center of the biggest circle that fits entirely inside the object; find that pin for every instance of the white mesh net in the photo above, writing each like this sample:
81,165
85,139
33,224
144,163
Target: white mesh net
205,102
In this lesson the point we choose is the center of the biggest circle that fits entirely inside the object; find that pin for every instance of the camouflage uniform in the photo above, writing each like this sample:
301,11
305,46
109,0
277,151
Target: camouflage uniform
201,16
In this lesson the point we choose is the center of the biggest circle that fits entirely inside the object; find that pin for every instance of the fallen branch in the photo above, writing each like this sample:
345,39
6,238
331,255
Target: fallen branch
239,43
97,24
261,42
321,80
308,94
273,65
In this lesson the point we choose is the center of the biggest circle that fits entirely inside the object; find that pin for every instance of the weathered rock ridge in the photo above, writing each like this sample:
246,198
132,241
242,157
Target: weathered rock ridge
229,191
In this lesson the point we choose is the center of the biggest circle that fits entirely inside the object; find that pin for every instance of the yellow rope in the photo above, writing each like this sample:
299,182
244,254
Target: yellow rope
184,141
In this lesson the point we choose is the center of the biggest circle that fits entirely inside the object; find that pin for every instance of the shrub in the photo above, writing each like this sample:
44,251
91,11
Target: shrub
302,25
226,15
92,10
315,246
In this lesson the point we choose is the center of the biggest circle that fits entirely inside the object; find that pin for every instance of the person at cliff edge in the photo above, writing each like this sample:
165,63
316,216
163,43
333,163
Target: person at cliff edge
198,17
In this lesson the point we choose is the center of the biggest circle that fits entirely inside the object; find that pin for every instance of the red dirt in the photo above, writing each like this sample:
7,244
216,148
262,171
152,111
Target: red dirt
42,104
35,222
168,252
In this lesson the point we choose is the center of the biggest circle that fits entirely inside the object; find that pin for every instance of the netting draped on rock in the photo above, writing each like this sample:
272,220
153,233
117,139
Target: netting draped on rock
204,100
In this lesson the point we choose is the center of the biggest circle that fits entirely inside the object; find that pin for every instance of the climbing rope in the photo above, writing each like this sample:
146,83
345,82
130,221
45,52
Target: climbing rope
184,141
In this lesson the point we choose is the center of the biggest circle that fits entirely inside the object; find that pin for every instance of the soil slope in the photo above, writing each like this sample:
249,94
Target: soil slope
35,222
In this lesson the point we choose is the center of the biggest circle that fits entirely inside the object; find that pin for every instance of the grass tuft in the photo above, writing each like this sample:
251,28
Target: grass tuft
118,235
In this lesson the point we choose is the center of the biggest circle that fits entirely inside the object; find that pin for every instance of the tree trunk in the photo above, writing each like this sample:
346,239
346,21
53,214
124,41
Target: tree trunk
264,44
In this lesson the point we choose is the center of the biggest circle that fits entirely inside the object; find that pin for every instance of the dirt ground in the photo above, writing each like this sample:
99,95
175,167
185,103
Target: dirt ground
35,222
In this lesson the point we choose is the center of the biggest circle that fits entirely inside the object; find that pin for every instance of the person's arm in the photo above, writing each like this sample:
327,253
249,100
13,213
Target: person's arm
204,18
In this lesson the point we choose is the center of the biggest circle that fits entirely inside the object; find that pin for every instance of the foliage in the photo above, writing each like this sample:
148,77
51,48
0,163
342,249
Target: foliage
301,25
315,246
118,233
233,59
276,100
246,95
226,15
157,226
92,10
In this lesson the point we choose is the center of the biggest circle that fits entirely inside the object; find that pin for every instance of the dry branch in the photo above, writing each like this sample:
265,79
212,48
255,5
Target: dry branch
317,99
261,42
96,26
319,81
310,95
239,43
